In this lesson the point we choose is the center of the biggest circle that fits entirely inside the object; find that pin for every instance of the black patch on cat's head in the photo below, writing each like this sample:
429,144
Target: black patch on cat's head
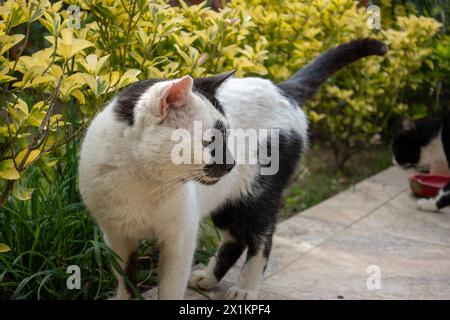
128,98
223,165
407,144
407,149
208,86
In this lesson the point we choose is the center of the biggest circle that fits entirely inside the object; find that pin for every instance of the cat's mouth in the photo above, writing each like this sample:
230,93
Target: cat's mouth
403,165
207,180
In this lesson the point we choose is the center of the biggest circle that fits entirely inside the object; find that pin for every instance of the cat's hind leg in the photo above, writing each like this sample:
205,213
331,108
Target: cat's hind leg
249,281
442,200
229,252
127,250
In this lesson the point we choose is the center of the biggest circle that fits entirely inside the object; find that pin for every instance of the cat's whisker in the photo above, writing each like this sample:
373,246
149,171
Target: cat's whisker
178,180
168,184
175,185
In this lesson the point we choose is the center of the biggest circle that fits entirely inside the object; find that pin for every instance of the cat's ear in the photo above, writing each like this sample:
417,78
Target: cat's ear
407,124
209,85
176,95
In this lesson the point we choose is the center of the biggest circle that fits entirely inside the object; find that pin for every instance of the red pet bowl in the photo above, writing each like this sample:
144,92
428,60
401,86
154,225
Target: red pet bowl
427,185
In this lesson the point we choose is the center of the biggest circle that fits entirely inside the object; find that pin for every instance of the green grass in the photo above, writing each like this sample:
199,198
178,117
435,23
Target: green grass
54,230
47,234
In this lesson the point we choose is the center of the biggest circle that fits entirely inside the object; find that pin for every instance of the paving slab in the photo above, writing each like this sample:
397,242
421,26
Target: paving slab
339,269
358,201
368,242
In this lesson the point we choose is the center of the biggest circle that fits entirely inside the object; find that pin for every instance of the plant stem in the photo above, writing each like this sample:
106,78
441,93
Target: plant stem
130,21
27,36
6,191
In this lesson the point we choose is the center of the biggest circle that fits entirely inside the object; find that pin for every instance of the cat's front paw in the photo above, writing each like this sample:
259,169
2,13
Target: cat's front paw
427,205
203,279
241,294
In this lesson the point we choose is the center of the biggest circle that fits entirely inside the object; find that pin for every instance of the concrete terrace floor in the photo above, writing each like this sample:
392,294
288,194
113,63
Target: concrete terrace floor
324,252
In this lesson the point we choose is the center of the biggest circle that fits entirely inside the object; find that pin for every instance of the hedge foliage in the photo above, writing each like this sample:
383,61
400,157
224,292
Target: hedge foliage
55,76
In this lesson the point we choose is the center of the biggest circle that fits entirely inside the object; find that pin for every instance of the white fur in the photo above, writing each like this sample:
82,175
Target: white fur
427,205
430,205
433,153
249,279
123,170
204,279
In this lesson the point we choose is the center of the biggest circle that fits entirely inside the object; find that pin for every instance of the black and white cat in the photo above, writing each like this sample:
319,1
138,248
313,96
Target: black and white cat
135,191
426,143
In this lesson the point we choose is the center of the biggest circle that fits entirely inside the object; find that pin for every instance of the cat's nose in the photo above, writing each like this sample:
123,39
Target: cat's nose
217,170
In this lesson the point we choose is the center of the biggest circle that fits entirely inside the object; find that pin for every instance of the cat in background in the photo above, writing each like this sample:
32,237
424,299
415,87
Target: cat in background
426,143
135,191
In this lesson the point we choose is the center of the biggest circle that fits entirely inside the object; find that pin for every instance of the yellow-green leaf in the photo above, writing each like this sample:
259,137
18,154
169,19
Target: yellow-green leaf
93,65
22,106
91,82
69,46
8,170
4,248
22,193
35,119
4,66
52,162
128,77
31,157
80,96
5,78
7,42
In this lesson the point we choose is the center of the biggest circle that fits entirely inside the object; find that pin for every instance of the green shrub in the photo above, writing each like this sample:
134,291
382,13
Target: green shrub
355,105
120,42
78,70
433,94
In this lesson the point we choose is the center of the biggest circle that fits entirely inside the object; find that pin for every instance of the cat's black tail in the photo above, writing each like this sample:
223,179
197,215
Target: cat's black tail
305,82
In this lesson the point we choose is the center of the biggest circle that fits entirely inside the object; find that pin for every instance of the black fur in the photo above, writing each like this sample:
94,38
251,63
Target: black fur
127,99
227,256
223,160
208,87
305,82
444,200
407,145
251,220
